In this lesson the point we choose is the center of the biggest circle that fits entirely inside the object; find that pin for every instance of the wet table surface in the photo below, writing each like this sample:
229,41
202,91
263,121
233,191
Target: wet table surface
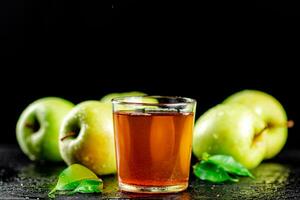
275,179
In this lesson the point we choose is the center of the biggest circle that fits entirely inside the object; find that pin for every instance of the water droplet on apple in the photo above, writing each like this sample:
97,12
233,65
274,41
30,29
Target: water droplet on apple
215,136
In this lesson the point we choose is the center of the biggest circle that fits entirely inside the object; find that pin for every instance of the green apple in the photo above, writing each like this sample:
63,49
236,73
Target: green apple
134,97
228,128
231,130
87,137
109,97
38,127
271,112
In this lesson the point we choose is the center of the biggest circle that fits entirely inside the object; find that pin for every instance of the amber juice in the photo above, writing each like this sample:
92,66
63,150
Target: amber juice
153,148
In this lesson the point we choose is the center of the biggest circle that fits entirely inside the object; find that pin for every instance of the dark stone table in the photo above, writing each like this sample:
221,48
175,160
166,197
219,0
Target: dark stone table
275,179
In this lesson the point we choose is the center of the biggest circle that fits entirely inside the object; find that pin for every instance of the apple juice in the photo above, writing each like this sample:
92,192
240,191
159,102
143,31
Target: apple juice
153,148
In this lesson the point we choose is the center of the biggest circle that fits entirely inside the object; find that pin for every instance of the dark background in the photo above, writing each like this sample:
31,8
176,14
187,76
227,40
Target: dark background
205,50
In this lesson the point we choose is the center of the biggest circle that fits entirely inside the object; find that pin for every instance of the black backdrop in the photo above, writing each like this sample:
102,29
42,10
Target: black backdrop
83,50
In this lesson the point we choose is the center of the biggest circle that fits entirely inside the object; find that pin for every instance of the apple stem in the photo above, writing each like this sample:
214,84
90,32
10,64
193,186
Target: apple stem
290,123
70,134
34,126
29,125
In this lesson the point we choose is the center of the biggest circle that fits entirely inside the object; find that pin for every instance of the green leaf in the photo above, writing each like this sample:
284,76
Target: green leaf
77,178
88,186
220,168
211,172
229,165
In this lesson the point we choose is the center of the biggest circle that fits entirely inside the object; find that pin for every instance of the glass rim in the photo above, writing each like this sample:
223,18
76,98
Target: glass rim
124,100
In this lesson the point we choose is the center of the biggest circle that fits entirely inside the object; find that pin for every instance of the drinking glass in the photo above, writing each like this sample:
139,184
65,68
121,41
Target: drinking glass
153,141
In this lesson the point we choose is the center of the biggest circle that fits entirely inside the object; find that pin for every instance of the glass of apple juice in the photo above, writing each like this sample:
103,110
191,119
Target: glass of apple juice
153,141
